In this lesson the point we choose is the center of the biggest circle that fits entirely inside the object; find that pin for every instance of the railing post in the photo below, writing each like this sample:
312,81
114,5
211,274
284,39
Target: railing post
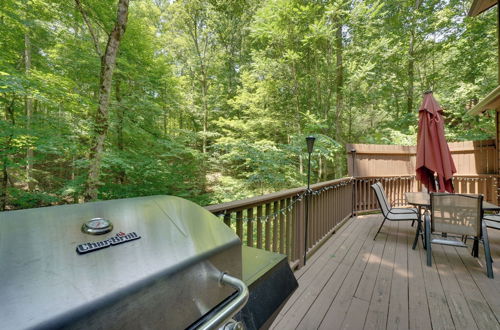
299,232
354,208
353,197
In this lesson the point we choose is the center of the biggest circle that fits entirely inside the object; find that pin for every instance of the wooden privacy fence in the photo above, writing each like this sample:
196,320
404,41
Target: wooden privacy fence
276,222
371,160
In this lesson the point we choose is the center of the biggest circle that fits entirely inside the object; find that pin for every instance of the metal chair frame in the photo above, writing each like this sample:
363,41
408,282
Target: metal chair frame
391,213
480,233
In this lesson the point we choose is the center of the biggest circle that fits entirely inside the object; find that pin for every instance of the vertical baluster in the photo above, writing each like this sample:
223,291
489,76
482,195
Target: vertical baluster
399,189
317,218
296,232
340,195
340,191
352,187
239,224
310,228
268,226
492,188
227,219
359,195
319,215
356,196
337,194
395,185
398,192
275,227
259,227
365,196
331,201
250,227
328,214
372,181
495,190
391,191
324,204
312,223
321,218
300,230
343,197
370,195
332,207
288,221
282,226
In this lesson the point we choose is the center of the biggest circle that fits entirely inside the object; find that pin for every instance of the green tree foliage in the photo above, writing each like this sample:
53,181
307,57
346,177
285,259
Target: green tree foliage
212,99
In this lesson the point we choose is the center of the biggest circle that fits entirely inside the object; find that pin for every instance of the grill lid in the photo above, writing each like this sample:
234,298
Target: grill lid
43,276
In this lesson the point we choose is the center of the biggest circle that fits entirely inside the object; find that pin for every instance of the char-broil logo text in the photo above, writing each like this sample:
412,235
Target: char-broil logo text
115,240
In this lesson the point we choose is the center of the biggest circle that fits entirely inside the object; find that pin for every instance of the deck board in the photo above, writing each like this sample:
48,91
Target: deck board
354,282
379,303
398,317
328,263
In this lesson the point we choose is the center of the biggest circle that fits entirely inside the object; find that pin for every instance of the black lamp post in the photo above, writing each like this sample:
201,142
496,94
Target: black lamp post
310,145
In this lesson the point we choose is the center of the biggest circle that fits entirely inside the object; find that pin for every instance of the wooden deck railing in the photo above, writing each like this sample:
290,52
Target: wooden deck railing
276,222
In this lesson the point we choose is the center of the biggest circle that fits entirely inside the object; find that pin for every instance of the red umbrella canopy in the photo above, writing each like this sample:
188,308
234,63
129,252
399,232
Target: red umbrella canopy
433,154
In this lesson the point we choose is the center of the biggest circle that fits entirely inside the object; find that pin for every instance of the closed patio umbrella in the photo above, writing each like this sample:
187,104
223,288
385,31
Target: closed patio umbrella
433,153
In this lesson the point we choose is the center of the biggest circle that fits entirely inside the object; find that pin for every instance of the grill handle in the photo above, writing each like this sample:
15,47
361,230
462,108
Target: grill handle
230,309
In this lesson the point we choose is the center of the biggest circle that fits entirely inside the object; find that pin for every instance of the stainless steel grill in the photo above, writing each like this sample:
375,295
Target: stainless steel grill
142,263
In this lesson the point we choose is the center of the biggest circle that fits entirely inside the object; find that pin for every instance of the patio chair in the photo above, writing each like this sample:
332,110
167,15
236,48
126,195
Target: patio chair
391,213
457,216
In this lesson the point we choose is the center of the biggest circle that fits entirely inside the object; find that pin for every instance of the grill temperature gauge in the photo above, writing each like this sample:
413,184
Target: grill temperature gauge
97,226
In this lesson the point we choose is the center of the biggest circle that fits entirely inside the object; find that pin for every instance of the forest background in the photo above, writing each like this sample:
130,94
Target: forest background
211,100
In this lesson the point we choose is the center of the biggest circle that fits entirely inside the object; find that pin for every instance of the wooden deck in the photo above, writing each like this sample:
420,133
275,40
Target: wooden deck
354,282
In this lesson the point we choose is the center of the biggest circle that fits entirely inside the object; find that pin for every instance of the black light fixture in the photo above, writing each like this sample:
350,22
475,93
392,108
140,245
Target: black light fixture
310,145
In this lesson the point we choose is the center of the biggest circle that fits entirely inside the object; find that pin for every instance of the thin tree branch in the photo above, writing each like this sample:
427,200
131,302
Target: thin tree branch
91,29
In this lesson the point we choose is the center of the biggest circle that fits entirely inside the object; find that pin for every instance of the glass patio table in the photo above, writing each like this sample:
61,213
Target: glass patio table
422,200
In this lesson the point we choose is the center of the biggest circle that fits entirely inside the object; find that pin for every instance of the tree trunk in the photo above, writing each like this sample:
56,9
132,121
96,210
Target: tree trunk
101,124
119,129
296,91
29,112
339,85
411,74
411,65
4,196
165,113
204,92
320,168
